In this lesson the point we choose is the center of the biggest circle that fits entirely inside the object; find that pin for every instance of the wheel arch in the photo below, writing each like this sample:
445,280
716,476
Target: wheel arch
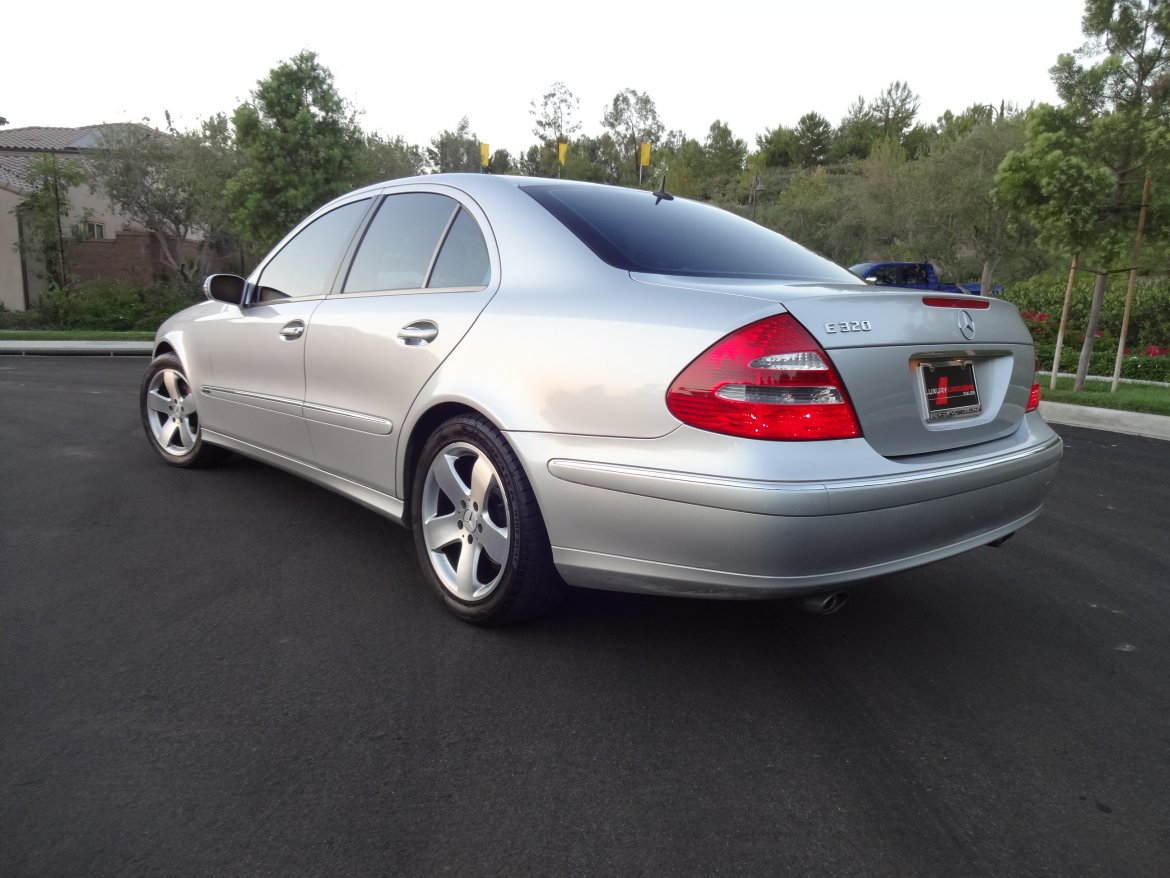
422,429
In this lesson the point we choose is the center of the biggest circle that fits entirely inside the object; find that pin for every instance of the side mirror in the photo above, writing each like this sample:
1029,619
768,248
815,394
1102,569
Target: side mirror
224,288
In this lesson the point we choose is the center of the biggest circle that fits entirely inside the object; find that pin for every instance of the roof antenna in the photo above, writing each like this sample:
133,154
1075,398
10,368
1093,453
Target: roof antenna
660,194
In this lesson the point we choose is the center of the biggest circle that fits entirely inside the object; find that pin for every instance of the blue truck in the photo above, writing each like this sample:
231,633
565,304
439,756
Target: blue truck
912,275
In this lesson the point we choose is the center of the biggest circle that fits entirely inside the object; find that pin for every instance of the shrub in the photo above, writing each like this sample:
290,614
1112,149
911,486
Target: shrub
1041,298
109,305
1139,365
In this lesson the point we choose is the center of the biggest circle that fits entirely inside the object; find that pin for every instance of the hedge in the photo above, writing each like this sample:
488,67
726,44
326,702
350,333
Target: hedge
103,304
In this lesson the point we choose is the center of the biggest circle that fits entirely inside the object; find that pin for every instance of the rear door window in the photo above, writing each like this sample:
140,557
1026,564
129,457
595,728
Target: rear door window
417,240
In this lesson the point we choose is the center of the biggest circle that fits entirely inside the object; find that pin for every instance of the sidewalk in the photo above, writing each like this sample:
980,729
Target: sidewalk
1133,423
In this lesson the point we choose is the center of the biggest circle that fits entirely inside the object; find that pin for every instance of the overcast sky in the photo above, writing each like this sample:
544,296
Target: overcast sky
416,68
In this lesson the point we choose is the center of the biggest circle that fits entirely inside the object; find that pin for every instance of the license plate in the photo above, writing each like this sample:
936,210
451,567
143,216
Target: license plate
950,390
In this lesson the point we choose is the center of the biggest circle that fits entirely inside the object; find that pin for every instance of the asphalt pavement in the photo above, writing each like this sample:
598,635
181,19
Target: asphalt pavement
232,672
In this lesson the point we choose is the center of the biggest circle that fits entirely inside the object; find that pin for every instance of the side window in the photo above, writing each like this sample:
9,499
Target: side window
305,265
914,275
463,261
400,243
886,274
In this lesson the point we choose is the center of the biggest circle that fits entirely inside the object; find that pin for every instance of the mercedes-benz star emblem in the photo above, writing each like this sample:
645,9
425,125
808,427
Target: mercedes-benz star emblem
967,325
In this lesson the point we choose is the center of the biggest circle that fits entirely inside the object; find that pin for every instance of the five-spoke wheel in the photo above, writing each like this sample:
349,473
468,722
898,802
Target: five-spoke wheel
170,416
478,530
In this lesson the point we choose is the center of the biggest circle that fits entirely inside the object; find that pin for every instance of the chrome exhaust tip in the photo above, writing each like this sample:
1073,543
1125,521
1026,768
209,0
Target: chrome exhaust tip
824,604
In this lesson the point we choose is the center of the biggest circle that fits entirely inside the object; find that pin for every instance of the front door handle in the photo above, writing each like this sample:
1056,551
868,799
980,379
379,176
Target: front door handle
418,333
293,331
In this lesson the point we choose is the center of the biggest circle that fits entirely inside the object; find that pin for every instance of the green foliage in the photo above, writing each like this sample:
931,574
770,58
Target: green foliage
299,144
812,141
856,134
1099,394
387,159
554,119
630,120
894,110
968,231
723,153
44,211
455,151
1040,299
173,185
109,305
1135,365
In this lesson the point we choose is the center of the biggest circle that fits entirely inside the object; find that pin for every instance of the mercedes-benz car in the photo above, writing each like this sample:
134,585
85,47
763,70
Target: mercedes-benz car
558,383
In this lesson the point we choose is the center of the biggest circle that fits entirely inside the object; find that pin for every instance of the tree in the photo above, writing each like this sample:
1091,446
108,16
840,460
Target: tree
554,119
1113,123
894,110
630,120
809,210
172,184
299,143
954,190
856,134
501,162
455,151
776,146
41,214
812,140
723,152
387,159
888,216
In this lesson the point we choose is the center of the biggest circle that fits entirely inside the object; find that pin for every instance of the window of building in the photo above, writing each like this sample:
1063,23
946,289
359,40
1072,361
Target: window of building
95,230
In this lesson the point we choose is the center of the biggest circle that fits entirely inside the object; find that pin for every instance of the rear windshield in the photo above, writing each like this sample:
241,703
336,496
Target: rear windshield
628,230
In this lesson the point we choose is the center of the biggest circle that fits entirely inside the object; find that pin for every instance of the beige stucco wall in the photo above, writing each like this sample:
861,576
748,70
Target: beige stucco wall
11,284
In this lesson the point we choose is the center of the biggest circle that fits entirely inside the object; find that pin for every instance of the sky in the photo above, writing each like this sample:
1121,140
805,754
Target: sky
415,69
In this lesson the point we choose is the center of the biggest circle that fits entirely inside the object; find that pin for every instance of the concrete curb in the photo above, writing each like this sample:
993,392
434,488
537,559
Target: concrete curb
76,348
1133,423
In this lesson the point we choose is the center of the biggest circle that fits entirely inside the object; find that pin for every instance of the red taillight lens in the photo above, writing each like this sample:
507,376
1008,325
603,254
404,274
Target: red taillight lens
768,380
1034,394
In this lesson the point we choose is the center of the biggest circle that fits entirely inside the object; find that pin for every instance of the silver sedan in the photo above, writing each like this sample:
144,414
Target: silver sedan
554,382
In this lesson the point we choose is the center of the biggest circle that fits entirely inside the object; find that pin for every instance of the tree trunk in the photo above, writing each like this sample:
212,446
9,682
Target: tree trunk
985,278
1068,291
1091,330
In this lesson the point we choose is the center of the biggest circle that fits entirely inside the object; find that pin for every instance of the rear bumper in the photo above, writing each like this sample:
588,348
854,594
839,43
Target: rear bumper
629,527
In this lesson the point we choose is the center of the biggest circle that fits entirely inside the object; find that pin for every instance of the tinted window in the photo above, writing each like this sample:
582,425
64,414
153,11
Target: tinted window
628,229
305,265
400,243
463,261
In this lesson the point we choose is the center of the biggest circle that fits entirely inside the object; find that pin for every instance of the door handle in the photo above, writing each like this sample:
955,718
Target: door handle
420,332
292,331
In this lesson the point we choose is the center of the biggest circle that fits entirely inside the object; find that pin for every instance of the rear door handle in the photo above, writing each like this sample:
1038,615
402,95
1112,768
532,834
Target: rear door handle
420,332
293,331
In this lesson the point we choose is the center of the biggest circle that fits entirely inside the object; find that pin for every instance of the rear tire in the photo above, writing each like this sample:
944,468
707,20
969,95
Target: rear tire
170,417
478,531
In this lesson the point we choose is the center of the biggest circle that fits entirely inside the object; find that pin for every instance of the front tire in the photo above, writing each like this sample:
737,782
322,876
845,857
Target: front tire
478,531
170,416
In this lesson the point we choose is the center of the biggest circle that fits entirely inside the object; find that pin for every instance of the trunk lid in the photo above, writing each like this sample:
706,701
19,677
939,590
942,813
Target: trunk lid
925,371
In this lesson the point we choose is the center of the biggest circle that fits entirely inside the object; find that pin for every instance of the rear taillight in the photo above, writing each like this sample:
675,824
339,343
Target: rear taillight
768,380
1034,393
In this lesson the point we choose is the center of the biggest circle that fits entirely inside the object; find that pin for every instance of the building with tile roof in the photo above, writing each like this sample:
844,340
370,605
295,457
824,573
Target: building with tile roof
113,244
